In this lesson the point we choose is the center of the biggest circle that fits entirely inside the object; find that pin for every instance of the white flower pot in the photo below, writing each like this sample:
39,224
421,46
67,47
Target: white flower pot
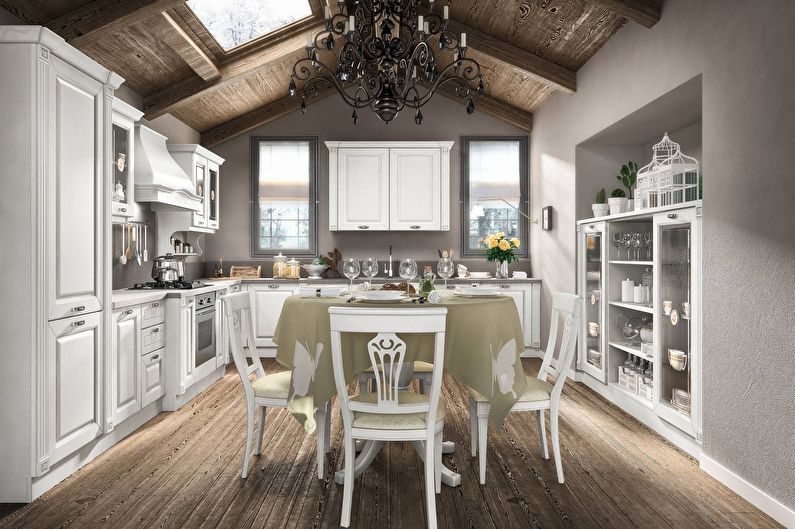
617,205
630,205
600,210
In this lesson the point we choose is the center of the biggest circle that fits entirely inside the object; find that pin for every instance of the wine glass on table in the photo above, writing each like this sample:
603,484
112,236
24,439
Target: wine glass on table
408,271
370,267
351,269
617,237
445,268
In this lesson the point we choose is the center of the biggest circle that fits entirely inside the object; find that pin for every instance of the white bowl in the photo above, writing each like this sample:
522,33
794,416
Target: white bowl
593,329
314,270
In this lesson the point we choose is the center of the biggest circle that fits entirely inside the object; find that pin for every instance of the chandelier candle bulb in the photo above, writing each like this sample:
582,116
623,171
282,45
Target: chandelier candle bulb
351,23
327,12
446,12
463,40
420,22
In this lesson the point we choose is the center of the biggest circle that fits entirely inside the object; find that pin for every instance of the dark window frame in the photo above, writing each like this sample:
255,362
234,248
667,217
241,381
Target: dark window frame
524,181
256,251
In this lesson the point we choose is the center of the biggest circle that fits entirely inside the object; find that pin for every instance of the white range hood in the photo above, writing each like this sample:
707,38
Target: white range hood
158,178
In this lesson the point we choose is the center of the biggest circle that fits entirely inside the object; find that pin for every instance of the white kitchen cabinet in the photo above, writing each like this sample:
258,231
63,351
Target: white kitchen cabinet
415,189
266,307
185,359
203,166
122,171
152,377
124,366
224,347
213,195
389,185
75,351
592,244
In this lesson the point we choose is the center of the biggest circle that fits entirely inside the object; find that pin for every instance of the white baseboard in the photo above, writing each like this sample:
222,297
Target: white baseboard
769,505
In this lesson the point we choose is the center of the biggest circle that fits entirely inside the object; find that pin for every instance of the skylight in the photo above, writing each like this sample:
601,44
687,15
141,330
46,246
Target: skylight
235,22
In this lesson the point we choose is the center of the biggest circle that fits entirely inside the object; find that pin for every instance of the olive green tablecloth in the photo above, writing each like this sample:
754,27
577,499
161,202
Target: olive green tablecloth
483,340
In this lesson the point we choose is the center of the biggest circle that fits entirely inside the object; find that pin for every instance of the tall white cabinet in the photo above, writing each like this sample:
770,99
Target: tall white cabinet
389,186
55,145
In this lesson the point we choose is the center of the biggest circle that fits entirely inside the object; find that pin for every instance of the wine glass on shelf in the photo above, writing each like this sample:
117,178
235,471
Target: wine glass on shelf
647,243
617,237
351,269
636,243
626,242
408,271
370,267
445,268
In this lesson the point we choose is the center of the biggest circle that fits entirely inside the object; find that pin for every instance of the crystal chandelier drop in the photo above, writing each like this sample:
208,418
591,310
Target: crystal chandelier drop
384,55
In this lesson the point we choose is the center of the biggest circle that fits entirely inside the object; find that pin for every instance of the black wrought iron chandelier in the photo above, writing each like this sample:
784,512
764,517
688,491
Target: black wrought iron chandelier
385,60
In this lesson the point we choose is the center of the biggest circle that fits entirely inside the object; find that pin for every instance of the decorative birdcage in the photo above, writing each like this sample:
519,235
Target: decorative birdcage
670,178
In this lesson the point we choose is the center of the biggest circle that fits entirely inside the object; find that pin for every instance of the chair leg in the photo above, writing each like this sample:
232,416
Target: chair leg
347,487
553,418
430,481
421,384
327,426
320,435
483,430
473,427
260,430
542,433
249,433
437,462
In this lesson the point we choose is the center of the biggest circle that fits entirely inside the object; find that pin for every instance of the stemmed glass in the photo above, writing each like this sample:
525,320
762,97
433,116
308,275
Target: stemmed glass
636,242
626,241
647,243
351,269
617,236
445,268
370,267
408,271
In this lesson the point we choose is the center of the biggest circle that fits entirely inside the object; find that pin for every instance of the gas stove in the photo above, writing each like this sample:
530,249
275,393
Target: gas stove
167,285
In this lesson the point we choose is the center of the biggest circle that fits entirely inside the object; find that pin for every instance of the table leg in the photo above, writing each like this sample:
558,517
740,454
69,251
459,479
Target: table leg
448,447
363,461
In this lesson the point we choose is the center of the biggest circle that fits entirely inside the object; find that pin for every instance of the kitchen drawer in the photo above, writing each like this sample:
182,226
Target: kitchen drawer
152,376
153,313
153,338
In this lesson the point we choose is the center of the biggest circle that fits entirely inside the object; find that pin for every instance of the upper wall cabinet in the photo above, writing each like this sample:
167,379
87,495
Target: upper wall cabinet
122,186
396,186
203,166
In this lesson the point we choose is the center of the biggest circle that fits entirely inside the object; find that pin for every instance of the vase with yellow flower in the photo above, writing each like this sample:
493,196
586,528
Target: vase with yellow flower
501,249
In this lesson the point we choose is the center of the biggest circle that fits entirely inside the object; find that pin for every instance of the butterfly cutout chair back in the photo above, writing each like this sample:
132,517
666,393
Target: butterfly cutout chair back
539,394
265,390
391,414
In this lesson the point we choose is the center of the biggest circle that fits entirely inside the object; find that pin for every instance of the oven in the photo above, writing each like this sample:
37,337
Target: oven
205,339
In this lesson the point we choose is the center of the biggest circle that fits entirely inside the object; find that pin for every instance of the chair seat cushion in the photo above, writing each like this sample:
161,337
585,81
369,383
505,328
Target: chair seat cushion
419,367
403,421
535,391
274,386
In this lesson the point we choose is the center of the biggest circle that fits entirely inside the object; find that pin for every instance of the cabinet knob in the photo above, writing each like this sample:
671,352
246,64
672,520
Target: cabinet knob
504,286
672,215
128,311
273,286
155,357
78,323
364,227
414,227
156,329
155,305
123,210
80,308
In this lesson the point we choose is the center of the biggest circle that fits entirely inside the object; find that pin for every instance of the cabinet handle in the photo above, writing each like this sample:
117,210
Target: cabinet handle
273,286
123,210
414,227
672,215
80,308
155,357
156,329
155,305
128,312
364,227
78,323
504,286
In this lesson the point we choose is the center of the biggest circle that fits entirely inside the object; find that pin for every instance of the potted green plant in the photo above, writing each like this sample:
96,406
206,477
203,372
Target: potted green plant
618,201
316,267
600,207
628,175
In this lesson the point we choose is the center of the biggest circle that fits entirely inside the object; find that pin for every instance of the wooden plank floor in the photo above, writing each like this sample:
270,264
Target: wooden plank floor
182,470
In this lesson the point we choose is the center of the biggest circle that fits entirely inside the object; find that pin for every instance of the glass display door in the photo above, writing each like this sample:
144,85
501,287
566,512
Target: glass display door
677,302
592,256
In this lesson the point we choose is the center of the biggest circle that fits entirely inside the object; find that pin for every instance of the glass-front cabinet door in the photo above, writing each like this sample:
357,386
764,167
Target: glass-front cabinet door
199,172
212,195
677,293
122,169
592,258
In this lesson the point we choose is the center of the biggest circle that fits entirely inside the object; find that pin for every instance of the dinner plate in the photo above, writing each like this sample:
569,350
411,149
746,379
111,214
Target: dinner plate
381,295
480,275
479,292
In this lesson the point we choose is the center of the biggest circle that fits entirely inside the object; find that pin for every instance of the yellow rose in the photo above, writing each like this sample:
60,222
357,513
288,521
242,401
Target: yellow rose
515,242
500,234
492,242
505,245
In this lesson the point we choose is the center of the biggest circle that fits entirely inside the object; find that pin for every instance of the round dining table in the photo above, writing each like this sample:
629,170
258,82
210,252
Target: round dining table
483,341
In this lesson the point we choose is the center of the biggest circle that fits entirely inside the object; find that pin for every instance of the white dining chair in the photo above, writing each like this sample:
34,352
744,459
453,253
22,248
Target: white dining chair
422,372
539,395
389,413
265,390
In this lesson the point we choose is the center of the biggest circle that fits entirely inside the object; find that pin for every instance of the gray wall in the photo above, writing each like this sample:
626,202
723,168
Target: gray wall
329,119
745,52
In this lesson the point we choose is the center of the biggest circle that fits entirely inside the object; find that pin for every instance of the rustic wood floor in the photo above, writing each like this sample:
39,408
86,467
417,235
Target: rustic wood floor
182,470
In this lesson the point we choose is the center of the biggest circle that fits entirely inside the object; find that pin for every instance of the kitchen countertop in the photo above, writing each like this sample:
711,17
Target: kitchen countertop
126,297
376,280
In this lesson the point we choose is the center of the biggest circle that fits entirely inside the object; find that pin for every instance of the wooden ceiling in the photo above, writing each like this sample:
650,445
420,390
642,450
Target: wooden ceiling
527,50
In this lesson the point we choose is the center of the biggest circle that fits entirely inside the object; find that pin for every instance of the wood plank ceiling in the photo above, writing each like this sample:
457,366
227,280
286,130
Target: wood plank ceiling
527,50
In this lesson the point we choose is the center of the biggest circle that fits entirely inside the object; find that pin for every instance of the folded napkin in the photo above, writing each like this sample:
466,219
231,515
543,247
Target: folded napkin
517,274
319,292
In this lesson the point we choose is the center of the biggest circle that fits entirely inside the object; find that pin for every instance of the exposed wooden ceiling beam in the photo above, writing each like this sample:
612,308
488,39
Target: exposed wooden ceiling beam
251,120
184,46
644,12
550,73
26,11
493,107
190,89
100,18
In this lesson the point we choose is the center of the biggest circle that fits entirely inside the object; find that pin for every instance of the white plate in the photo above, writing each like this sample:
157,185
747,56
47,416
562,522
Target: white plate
381,295
479,292
480,275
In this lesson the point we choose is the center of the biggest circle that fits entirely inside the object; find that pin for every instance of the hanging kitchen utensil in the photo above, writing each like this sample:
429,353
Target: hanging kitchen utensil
138,245
128,251
123,257
146,251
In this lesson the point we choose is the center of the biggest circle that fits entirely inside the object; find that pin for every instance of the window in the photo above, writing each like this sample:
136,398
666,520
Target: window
235,22
283,186
493,172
